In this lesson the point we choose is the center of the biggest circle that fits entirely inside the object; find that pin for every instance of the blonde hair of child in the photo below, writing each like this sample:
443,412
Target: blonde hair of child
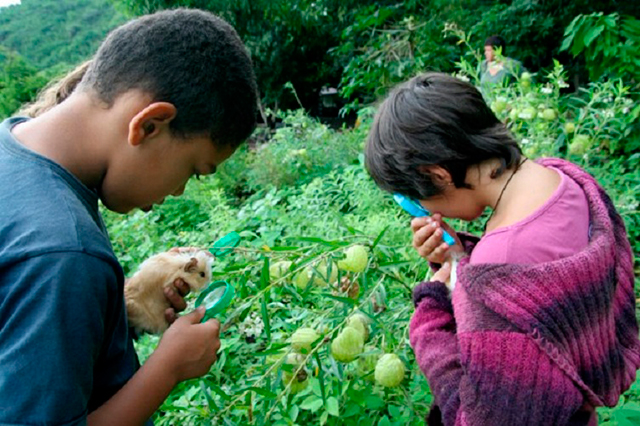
55,92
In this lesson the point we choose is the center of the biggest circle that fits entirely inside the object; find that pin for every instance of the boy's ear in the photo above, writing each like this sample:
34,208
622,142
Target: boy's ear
439,175
150,121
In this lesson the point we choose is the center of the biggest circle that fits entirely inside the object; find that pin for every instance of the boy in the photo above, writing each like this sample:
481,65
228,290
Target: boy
167,96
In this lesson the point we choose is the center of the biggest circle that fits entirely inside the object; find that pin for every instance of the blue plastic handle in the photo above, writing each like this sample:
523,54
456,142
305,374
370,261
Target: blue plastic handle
415,209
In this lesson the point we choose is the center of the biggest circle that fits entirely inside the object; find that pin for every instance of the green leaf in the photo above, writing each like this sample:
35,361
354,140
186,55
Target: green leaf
312,403
218,390
321,377
384,421
260,391
379,237
592,34
274,349
332,406
340,299
264,274
293,413
334,244
265,316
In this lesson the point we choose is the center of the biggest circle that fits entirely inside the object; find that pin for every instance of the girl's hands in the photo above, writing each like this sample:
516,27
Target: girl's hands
427,239
188,348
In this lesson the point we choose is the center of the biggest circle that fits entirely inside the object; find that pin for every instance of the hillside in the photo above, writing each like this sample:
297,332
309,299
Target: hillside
53,32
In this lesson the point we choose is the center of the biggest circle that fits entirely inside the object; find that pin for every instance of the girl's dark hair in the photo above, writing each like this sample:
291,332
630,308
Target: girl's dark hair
435,119
496,41
189,58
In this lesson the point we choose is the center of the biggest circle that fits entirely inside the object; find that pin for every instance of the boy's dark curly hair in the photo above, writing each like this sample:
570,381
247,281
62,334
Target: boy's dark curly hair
189,58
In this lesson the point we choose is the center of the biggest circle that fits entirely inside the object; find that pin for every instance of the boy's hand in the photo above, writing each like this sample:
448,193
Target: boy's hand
188,348
175,297
427,238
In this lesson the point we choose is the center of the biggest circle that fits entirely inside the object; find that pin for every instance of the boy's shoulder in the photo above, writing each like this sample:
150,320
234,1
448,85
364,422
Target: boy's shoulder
43,208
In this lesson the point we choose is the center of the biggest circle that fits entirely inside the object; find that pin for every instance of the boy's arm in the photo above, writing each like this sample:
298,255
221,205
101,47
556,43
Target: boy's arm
186,350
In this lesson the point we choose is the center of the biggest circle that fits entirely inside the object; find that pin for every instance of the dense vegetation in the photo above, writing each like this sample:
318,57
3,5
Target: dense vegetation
50,33
301,195
304,197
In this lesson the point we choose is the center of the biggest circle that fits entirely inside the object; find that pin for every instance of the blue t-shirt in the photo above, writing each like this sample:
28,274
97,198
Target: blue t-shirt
64,342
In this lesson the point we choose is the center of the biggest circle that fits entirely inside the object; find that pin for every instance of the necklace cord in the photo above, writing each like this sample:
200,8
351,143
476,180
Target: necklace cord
484,228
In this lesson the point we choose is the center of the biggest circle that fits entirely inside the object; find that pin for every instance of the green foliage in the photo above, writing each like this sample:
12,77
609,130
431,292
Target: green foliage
330,206
389,43
610,44
296,153
52,32
19,82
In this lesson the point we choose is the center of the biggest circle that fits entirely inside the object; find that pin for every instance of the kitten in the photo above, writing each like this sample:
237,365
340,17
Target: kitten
144,291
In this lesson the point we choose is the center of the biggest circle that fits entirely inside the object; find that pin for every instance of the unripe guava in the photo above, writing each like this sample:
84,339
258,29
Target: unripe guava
389,370
579,145
549,114
322,275
498,106
569,127
278,269
298,386
356,259
302,339
361,323
347,345
528,113
302,278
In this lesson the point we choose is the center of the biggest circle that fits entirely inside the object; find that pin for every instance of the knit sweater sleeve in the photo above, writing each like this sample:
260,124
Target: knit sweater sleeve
486,377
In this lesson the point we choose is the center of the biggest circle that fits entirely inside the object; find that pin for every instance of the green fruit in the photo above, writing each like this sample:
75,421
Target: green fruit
549,114
294,359
347,345
302,339
498,106
278,269
361,323
525,79
525,76
513,114
356,259
301,380
569,127
528,113
389,371
302,279
298,386
579,145
322,275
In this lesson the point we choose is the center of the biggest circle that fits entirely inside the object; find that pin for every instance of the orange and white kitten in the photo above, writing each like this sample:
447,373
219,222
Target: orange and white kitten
144,291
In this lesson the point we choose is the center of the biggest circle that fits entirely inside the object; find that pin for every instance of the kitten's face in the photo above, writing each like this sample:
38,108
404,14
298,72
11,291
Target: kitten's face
198,269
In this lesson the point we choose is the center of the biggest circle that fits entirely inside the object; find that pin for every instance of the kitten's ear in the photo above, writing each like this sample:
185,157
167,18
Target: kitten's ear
191,265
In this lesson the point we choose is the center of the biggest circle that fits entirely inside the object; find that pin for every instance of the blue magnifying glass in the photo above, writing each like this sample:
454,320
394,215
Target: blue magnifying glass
415,209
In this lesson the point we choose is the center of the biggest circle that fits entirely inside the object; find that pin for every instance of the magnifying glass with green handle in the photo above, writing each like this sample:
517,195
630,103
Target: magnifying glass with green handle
219,294
215,298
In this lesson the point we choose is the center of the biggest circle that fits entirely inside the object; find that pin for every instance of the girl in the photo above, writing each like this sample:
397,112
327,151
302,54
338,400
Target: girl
540,328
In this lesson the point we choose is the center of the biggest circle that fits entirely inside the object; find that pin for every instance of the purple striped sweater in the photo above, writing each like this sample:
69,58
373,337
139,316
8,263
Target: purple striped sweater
532,344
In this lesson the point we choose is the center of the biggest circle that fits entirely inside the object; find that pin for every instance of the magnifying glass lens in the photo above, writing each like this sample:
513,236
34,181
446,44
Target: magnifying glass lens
214,297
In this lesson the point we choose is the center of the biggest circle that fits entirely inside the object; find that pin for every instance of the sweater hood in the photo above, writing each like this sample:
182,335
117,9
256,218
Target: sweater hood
580,310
